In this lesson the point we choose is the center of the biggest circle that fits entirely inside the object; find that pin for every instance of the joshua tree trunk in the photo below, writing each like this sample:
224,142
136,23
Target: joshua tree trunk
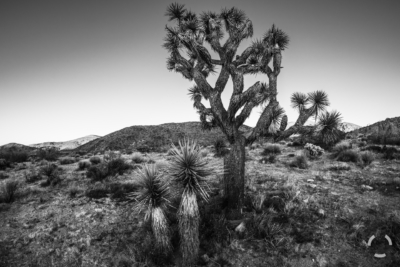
234,175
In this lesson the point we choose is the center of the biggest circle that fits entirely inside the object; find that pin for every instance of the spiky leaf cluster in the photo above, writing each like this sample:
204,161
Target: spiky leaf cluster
319,101
190,170
153,190
276,38
299,100
328,126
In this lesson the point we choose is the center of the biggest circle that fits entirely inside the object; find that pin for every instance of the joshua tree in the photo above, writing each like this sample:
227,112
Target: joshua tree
188,55
153,196
189,170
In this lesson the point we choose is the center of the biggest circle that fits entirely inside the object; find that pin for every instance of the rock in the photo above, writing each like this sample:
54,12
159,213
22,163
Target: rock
310,180
312,185
205,258
322,261
321,212
367,187
241,228
396,180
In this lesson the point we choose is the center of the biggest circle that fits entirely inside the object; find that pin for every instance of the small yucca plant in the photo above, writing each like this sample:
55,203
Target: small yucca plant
190,171
153,197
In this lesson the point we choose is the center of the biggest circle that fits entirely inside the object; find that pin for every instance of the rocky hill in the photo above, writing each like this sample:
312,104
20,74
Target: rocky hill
390,126
159,135
72,144
15,147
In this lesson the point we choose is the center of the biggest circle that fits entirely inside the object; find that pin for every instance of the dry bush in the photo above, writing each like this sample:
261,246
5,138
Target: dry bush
349,156
83,165
8,191
300,162
32,175
271,150
138,158
52,172
67,160
367,157
95,160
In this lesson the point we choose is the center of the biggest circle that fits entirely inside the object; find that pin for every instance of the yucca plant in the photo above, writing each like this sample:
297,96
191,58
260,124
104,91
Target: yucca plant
190,171
328,127
319,102
153,197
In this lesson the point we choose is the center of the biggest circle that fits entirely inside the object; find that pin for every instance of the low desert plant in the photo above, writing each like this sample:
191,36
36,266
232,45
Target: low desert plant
389,153
97,172
373,148
349,156
117,166
271,150
138,158
49,154
95,160
339,148
269,159
153,197
300,162
8,191
32,175
73,191
4,164
83,165
367,157
313,151
67,160
14,156
97,191
143,148
52,172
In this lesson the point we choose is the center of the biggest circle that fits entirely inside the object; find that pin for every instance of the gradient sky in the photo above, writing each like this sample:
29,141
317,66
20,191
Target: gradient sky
74,68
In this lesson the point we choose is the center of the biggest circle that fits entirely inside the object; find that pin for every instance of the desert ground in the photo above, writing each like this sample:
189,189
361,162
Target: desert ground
299,211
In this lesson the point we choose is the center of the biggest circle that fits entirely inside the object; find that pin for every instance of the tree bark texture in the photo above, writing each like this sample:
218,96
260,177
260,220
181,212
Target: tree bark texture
234,174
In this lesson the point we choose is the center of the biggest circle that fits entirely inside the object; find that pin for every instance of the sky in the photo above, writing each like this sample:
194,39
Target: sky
74,68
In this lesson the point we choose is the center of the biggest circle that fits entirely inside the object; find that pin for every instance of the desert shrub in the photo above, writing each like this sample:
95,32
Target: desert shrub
49,154
95,160
269,159
220,147
120,190
271,150
138,158
339,168
111,155
67,160
339,148
143,148
52,172
14,156
73,191
97,191
117,166
313,150
3,175
8,191
362,144
373,148
389,152
367,157
4,164
32,176
349,156
295,143
300,162
97,172
83,165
